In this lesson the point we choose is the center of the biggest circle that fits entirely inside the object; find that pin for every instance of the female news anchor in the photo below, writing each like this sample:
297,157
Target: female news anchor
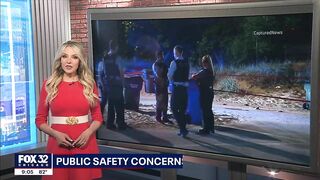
70,94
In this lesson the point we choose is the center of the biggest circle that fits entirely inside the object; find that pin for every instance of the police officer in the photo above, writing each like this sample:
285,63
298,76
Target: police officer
178,75
114,89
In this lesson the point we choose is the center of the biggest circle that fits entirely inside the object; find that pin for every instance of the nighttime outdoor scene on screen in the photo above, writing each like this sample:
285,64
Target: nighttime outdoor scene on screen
261,84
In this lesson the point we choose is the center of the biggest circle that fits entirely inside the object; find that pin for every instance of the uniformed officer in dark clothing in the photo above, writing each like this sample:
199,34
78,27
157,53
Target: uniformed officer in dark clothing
114,89
160,71
205,78
178,75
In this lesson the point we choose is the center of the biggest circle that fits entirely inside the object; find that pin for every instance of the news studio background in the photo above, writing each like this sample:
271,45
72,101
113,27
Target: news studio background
262,70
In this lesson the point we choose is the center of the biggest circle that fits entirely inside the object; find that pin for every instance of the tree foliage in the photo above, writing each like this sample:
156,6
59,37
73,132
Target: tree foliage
230,40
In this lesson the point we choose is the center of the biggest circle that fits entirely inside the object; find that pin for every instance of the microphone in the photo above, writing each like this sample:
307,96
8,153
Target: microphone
71,83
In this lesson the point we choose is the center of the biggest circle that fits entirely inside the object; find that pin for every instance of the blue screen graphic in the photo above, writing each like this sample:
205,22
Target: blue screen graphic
17,104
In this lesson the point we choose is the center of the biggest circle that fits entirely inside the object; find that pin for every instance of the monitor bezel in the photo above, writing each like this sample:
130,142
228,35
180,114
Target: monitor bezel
228,10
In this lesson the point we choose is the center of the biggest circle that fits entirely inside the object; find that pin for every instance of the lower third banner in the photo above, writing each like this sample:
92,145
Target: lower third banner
42,164
125,161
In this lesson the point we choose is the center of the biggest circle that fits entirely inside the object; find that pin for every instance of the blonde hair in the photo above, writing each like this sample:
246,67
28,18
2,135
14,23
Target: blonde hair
206,59
84,74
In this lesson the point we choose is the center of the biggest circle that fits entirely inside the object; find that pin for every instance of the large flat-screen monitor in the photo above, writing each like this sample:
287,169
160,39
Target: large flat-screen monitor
266,86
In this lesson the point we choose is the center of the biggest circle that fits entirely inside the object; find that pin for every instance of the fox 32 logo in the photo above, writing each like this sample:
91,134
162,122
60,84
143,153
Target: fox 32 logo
33,161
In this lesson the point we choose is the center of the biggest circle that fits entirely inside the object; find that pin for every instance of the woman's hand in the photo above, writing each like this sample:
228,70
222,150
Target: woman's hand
193,77
82,140
63,139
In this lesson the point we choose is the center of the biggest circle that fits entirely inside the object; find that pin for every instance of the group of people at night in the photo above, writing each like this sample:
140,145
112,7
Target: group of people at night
176,76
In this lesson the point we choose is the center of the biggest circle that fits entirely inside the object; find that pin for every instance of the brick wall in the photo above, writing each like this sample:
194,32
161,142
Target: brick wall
78,10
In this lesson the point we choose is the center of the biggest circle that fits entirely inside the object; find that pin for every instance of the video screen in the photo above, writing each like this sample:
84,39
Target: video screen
261,84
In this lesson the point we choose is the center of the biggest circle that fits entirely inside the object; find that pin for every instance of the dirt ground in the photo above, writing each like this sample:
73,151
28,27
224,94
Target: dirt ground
249,126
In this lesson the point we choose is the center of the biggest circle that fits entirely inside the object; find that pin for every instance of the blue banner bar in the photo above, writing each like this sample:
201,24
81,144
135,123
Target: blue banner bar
115,161
125,161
